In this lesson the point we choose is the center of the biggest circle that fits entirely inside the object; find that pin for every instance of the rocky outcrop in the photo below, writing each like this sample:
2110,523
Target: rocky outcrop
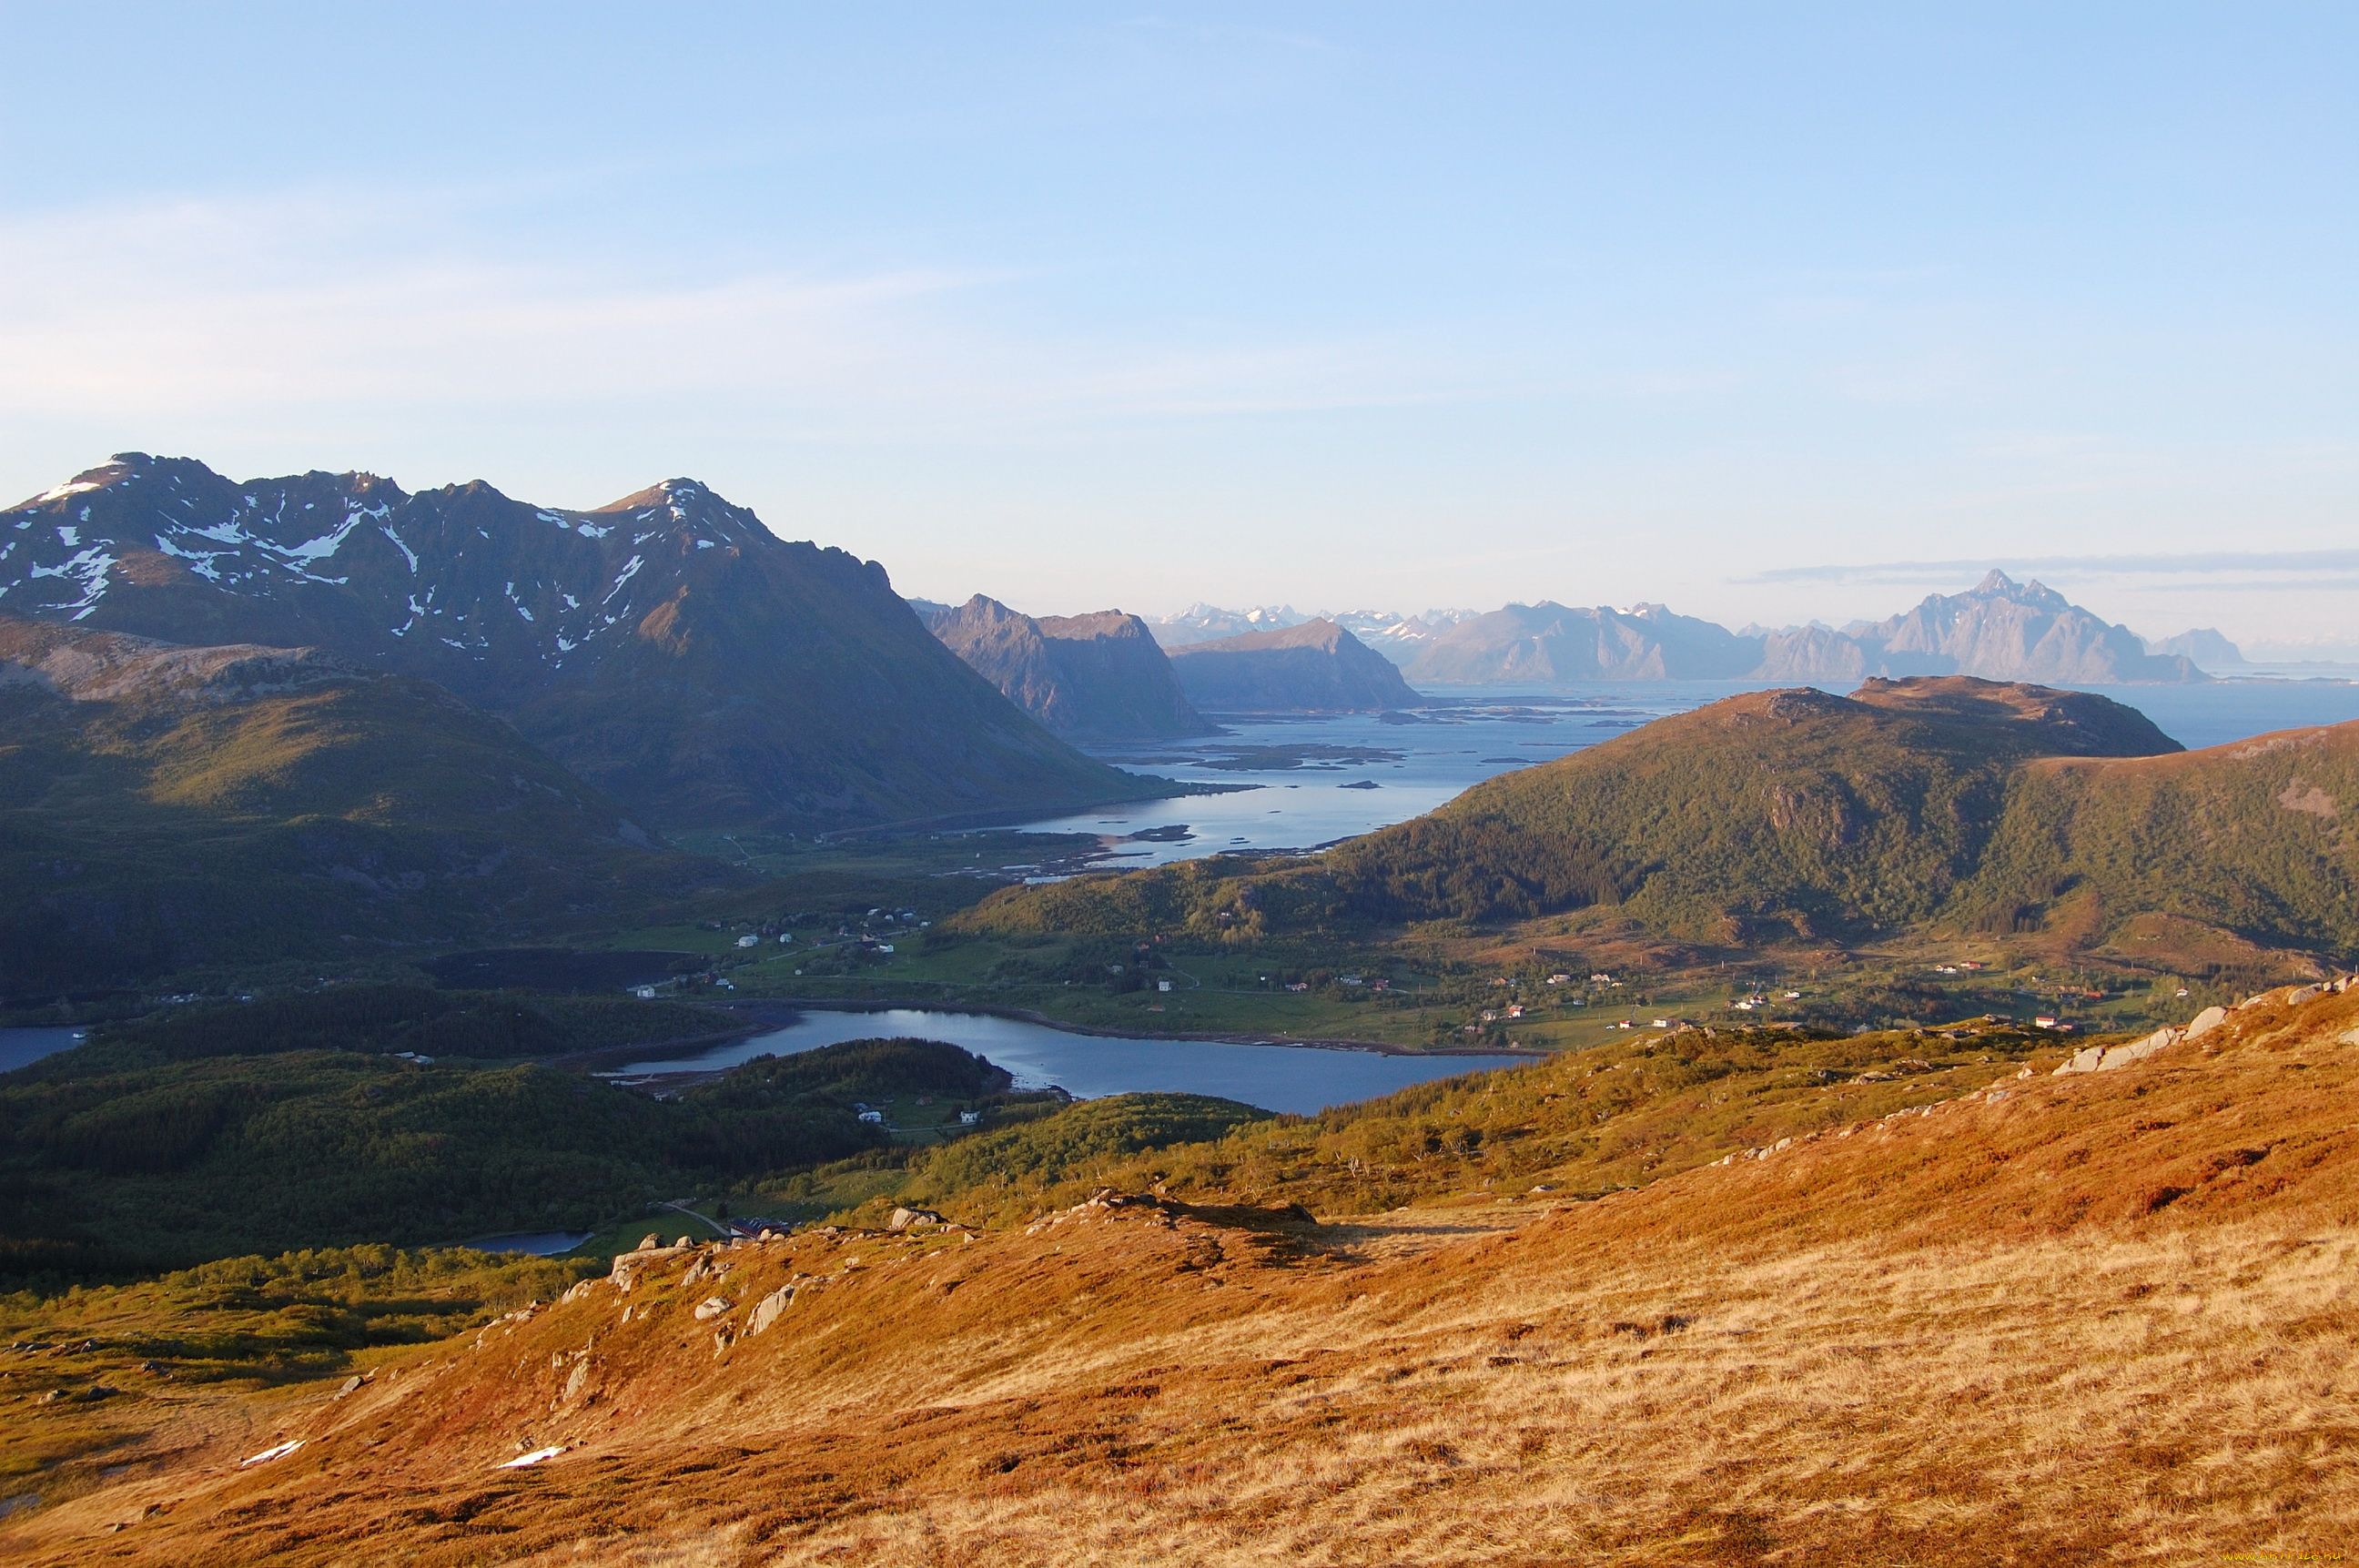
1097,677
770,1308
1317,667
2059,724
2106,1058
2099,1058
108,666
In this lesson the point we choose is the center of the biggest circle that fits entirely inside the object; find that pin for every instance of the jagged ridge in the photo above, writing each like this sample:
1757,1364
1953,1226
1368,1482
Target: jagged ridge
1097,677
1998,630
668,648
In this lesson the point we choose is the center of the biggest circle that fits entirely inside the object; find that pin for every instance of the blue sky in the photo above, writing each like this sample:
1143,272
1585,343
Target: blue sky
1765,313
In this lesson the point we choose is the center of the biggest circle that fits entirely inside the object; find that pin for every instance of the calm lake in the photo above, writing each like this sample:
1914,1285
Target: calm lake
20,1046
539,1243
1297,1078
1314,772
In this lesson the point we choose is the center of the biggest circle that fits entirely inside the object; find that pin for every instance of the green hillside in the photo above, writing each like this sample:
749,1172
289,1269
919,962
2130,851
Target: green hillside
162,808
1584,1122
1794,815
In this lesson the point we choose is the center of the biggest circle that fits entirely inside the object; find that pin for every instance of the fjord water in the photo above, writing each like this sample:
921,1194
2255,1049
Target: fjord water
2217,712
1427,757
1465,735
1297,1078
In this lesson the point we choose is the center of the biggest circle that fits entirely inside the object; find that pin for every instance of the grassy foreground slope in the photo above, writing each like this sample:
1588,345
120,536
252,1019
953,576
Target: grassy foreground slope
1950,804
1586,1123
2069,1319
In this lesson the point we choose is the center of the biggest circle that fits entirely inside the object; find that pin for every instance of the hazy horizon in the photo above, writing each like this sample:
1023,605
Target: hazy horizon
1771,317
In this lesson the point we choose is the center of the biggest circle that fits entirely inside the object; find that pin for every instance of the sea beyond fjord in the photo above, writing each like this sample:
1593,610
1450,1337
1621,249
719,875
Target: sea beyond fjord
1321,778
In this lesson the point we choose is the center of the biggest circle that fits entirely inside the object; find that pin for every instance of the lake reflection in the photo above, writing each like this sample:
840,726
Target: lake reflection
1296,1078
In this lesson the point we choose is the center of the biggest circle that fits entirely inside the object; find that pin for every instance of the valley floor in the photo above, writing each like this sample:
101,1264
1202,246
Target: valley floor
2101,1317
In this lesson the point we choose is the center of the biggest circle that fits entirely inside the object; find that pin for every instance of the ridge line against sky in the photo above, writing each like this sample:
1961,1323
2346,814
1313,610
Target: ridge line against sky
1076,306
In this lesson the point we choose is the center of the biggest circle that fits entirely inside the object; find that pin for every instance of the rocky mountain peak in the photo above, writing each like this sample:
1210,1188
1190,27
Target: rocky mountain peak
1314,665
1997,584
1097,676
734,647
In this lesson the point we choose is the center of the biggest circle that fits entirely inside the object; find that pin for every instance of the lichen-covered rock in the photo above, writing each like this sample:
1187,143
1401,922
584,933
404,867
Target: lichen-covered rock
768,1310
2083,1061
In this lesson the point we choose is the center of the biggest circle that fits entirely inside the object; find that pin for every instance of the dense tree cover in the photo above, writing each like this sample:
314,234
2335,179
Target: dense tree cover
296,1315
388,1019
856,1069
112,1167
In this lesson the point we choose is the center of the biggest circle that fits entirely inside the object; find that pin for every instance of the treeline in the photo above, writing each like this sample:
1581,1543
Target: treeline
298,1315
384,1020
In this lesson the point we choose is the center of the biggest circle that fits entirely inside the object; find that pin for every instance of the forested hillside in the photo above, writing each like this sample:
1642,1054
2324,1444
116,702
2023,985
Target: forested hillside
1798,816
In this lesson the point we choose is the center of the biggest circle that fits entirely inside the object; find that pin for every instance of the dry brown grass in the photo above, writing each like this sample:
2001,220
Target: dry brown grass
2106,1319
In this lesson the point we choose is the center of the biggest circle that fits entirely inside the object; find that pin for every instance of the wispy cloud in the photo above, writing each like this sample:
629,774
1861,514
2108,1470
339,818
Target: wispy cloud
314,301
2207,564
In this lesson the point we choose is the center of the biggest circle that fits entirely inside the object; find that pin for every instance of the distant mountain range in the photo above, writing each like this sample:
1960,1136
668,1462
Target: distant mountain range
1548,644
1097,677
2205,645
1999,630
668,648
1397,637
1313,666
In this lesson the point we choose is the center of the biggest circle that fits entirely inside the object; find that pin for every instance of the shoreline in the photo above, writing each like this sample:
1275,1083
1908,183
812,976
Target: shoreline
764,1015
1017,817
797,1005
